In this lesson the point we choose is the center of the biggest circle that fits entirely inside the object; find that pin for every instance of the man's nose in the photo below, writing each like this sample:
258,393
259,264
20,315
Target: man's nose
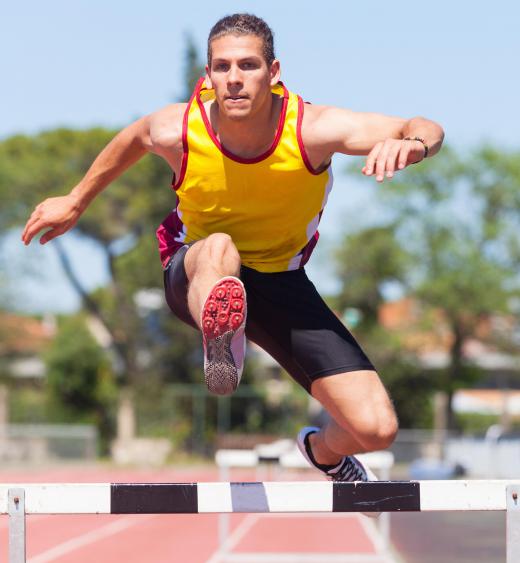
234,75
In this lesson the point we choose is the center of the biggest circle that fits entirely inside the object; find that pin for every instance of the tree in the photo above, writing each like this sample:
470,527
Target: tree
121,223
456,217
194,67
79,381
366,261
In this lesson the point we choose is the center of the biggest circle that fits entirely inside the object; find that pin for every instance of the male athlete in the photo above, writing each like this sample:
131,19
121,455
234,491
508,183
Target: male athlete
251,166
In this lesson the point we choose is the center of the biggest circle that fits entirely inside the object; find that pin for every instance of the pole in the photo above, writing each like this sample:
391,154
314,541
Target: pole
513,523
16,507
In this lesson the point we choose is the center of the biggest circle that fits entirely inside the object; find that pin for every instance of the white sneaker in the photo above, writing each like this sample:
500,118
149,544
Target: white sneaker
349,469
223,322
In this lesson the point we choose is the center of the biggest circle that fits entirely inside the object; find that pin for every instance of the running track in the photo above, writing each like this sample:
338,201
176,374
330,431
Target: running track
191,538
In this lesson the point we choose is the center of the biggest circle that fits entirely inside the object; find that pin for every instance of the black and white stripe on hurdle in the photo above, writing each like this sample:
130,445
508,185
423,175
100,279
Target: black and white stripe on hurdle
268,496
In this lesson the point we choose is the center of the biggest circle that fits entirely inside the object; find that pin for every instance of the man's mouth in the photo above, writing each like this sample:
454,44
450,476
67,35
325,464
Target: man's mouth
236,98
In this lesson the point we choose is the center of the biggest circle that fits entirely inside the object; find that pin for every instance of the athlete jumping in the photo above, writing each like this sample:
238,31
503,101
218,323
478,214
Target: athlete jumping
251,164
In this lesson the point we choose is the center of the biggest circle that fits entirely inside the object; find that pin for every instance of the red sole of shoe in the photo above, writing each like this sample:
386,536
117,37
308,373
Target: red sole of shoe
224,308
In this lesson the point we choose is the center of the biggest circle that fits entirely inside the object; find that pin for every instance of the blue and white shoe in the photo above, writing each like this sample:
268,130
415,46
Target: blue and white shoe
349,469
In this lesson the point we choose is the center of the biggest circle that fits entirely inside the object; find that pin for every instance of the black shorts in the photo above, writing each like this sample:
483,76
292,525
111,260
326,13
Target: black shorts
286,317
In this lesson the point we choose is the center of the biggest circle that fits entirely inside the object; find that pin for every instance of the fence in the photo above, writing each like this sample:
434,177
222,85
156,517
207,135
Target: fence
44,442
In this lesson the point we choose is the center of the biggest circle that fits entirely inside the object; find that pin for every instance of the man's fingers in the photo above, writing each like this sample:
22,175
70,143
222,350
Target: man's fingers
403,155
49,235
371,159
28,227
33,229
391,160
52,233
381,162
32,219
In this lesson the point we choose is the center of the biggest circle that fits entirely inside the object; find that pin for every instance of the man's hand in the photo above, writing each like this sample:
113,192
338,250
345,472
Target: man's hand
58,214
391,155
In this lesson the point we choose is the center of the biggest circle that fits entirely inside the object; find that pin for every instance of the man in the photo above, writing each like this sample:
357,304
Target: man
251,166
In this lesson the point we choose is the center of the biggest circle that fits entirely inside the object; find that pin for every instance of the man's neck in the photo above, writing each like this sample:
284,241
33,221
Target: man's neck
249,137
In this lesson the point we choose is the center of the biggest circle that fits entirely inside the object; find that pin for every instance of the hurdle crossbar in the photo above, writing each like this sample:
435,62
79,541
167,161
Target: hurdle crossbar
18,500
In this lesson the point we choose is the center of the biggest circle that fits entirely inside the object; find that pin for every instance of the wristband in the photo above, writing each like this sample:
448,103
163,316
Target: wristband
426,148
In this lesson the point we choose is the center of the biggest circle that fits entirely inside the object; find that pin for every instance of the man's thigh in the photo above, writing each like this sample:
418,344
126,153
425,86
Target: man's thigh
357,400
288,318
176,285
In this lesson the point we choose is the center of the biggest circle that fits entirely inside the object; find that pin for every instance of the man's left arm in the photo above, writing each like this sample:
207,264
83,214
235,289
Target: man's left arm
390,143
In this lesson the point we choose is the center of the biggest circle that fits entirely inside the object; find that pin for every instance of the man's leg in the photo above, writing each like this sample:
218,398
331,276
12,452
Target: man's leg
362,416
206,262
217,302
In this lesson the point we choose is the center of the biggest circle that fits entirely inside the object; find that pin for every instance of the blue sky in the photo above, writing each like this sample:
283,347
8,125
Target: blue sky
82,63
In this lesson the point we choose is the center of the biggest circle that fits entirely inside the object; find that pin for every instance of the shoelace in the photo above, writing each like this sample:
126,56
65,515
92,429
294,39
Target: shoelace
349,471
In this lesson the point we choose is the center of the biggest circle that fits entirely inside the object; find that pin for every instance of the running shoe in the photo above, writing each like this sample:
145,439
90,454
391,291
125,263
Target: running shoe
223,322
348,469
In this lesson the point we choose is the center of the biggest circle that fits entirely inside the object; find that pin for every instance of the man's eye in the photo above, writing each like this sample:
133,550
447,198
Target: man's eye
220,67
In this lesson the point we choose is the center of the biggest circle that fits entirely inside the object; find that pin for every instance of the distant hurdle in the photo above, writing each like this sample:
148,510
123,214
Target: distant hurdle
274,462
19,500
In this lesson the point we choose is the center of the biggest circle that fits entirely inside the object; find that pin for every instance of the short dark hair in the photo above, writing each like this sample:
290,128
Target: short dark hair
244,24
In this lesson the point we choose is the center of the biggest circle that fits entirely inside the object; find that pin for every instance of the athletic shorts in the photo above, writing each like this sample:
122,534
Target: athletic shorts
286,317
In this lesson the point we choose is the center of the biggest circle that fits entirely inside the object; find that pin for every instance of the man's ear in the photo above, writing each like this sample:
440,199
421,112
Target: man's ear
207,80
275,72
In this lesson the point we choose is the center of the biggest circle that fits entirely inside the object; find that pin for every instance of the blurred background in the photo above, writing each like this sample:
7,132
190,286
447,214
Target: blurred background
422,269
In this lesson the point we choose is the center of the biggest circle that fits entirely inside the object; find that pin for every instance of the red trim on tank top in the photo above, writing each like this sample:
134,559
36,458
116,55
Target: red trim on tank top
185,148
229,154
309,248
305,158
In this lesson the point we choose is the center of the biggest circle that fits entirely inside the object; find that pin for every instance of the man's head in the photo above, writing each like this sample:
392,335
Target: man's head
241,64
243,24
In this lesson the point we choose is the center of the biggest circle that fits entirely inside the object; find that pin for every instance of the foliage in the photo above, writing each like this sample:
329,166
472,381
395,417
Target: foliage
78,374
80,384
451,244
194,67
367,261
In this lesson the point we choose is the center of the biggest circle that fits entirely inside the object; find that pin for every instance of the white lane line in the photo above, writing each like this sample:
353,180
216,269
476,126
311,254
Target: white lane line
88,538
240,531
374,534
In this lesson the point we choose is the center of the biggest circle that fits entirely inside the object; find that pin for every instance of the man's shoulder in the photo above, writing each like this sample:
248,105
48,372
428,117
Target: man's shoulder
166,125
320,123
318,114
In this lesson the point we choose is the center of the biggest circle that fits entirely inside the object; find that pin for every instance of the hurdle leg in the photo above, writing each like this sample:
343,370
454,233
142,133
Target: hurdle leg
384,519
16,507
513,523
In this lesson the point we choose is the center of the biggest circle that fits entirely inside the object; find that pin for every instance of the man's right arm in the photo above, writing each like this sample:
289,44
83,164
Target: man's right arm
60,214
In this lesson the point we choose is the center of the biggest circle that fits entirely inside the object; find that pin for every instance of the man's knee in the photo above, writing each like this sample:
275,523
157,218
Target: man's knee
375,428
379,433
219,246
360,405
216,252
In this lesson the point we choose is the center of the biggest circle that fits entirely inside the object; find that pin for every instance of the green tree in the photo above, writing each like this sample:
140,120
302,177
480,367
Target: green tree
193,69
79,381
365,262
120,222
456,217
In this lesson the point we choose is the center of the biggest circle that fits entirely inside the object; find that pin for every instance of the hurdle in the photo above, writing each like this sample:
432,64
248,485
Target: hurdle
270,461
19,500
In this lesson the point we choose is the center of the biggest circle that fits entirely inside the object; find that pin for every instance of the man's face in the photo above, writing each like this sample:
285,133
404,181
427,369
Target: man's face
240,75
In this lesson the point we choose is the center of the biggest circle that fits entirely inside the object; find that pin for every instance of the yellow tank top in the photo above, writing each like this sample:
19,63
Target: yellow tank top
270,205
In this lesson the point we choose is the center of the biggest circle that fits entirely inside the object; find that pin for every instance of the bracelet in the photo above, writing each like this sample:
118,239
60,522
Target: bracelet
426,148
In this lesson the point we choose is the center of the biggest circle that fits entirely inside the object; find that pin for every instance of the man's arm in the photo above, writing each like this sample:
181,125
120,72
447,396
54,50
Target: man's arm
148,134
380,137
